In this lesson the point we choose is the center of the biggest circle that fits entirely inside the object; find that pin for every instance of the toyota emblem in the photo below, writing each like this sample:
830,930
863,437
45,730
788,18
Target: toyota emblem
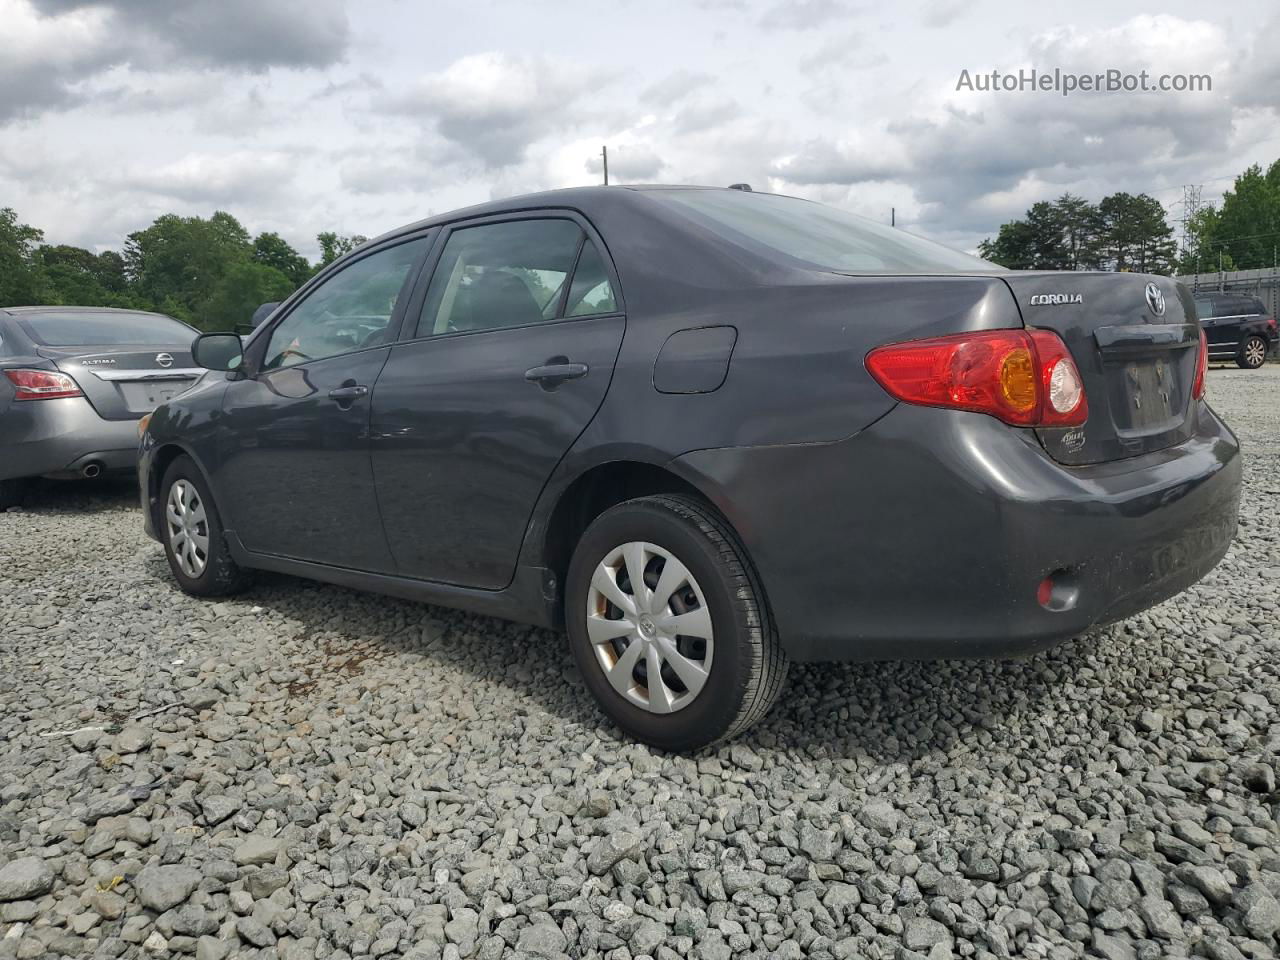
1155,299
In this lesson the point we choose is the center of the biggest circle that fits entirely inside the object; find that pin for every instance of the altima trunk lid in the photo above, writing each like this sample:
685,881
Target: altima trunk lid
123,383
1135,340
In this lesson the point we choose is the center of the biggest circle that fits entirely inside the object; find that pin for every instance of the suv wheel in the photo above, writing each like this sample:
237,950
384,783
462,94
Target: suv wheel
11,492
1253,353
669,626
191,532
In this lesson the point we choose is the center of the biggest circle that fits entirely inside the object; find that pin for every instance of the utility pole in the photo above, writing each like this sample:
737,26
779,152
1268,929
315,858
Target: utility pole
604,153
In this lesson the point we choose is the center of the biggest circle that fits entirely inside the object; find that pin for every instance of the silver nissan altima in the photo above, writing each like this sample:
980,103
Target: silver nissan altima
74,381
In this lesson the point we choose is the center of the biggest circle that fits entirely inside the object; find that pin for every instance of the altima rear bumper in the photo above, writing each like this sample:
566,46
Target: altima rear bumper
40,438
928,534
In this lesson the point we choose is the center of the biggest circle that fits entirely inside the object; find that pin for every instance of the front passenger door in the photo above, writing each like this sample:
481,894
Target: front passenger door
514,348
294,441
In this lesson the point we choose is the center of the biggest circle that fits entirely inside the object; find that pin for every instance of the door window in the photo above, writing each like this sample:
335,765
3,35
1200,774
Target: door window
349,311
591,292
508,275
1204,308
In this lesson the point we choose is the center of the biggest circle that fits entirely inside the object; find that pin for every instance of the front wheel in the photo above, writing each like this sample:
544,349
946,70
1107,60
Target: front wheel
669,626
1253,353
191,532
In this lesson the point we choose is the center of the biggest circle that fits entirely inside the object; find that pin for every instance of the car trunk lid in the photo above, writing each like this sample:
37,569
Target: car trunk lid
1135,340
123,383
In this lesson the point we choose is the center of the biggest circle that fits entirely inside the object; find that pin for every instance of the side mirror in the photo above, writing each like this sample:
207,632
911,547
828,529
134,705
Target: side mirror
217,351
263,312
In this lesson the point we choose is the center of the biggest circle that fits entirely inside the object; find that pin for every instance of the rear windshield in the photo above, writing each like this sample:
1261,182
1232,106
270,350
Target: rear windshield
819,235
104,329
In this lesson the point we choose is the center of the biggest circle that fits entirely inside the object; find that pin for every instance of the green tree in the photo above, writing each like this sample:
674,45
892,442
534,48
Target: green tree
1244,233
241,289
19,277
272,250
333,246
1036,242
1135,235
1081,225
179,261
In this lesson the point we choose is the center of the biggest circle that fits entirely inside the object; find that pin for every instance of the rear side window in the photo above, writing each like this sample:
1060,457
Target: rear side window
1204,308
500,275
104,329
818,235
591,291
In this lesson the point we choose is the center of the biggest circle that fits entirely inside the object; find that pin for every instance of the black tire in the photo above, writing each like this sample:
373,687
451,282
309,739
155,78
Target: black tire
221,576
11,493
748,664
1253,352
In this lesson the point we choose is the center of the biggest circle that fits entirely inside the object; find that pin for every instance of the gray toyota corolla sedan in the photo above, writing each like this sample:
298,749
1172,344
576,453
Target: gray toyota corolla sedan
74,382
708,432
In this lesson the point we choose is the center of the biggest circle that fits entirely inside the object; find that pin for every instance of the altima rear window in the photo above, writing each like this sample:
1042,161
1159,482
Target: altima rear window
104,329
819,235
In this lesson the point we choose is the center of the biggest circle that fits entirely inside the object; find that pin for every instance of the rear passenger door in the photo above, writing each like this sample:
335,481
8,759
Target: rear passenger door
507,353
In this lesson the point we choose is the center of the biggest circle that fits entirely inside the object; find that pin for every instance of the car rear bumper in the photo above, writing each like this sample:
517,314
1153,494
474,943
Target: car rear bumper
927,534
59,438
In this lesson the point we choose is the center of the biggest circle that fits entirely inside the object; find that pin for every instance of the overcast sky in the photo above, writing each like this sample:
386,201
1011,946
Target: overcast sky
305,115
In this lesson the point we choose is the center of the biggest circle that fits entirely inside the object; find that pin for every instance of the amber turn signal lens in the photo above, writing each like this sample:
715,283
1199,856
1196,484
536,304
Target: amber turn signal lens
143,424
1018,379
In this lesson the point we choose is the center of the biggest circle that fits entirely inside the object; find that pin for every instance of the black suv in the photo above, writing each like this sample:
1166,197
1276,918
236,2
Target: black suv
1237,327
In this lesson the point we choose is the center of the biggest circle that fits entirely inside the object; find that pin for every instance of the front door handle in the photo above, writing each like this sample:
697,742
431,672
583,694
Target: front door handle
348,392
555,372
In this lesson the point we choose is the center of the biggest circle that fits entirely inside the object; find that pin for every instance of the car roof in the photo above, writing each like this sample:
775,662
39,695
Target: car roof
578,198
56,308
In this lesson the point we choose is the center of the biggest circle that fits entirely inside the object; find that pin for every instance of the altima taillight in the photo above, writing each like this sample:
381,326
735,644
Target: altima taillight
1024,377
42,385
1202,366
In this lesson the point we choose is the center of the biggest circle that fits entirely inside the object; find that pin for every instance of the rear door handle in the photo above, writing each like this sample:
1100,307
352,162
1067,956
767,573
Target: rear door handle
348,393
555,372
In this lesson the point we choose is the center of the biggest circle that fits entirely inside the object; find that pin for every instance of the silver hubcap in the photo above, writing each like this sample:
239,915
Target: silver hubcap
650,627
188,528
1254,352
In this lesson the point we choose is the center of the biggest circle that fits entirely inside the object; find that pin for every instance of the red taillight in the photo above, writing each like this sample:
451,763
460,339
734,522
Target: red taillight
1023,377
42,385
1202,367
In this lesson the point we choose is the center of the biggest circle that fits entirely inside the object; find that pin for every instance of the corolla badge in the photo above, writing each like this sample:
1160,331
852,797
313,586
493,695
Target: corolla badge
164,359
1055,299
1155,299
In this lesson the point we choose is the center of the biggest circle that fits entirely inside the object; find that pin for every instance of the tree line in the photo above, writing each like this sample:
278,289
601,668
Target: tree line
1127,232
209,272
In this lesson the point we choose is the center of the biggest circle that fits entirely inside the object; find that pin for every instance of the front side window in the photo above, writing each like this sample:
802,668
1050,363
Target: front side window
500,275
818,235
349,311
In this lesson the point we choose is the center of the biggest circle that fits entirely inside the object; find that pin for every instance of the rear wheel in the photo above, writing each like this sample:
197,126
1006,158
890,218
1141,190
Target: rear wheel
1253,353
11,492
669,626
191,532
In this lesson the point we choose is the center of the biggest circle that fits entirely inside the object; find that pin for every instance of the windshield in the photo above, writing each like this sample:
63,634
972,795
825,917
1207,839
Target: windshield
819,235
104,329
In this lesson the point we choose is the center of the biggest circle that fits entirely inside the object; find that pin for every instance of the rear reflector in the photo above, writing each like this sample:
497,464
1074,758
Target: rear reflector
42,385
1202,367
1024,377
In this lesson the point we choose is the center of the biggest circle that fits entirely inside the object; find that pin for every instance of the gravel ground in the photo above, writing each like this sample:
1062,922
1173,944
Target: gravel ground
306,771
